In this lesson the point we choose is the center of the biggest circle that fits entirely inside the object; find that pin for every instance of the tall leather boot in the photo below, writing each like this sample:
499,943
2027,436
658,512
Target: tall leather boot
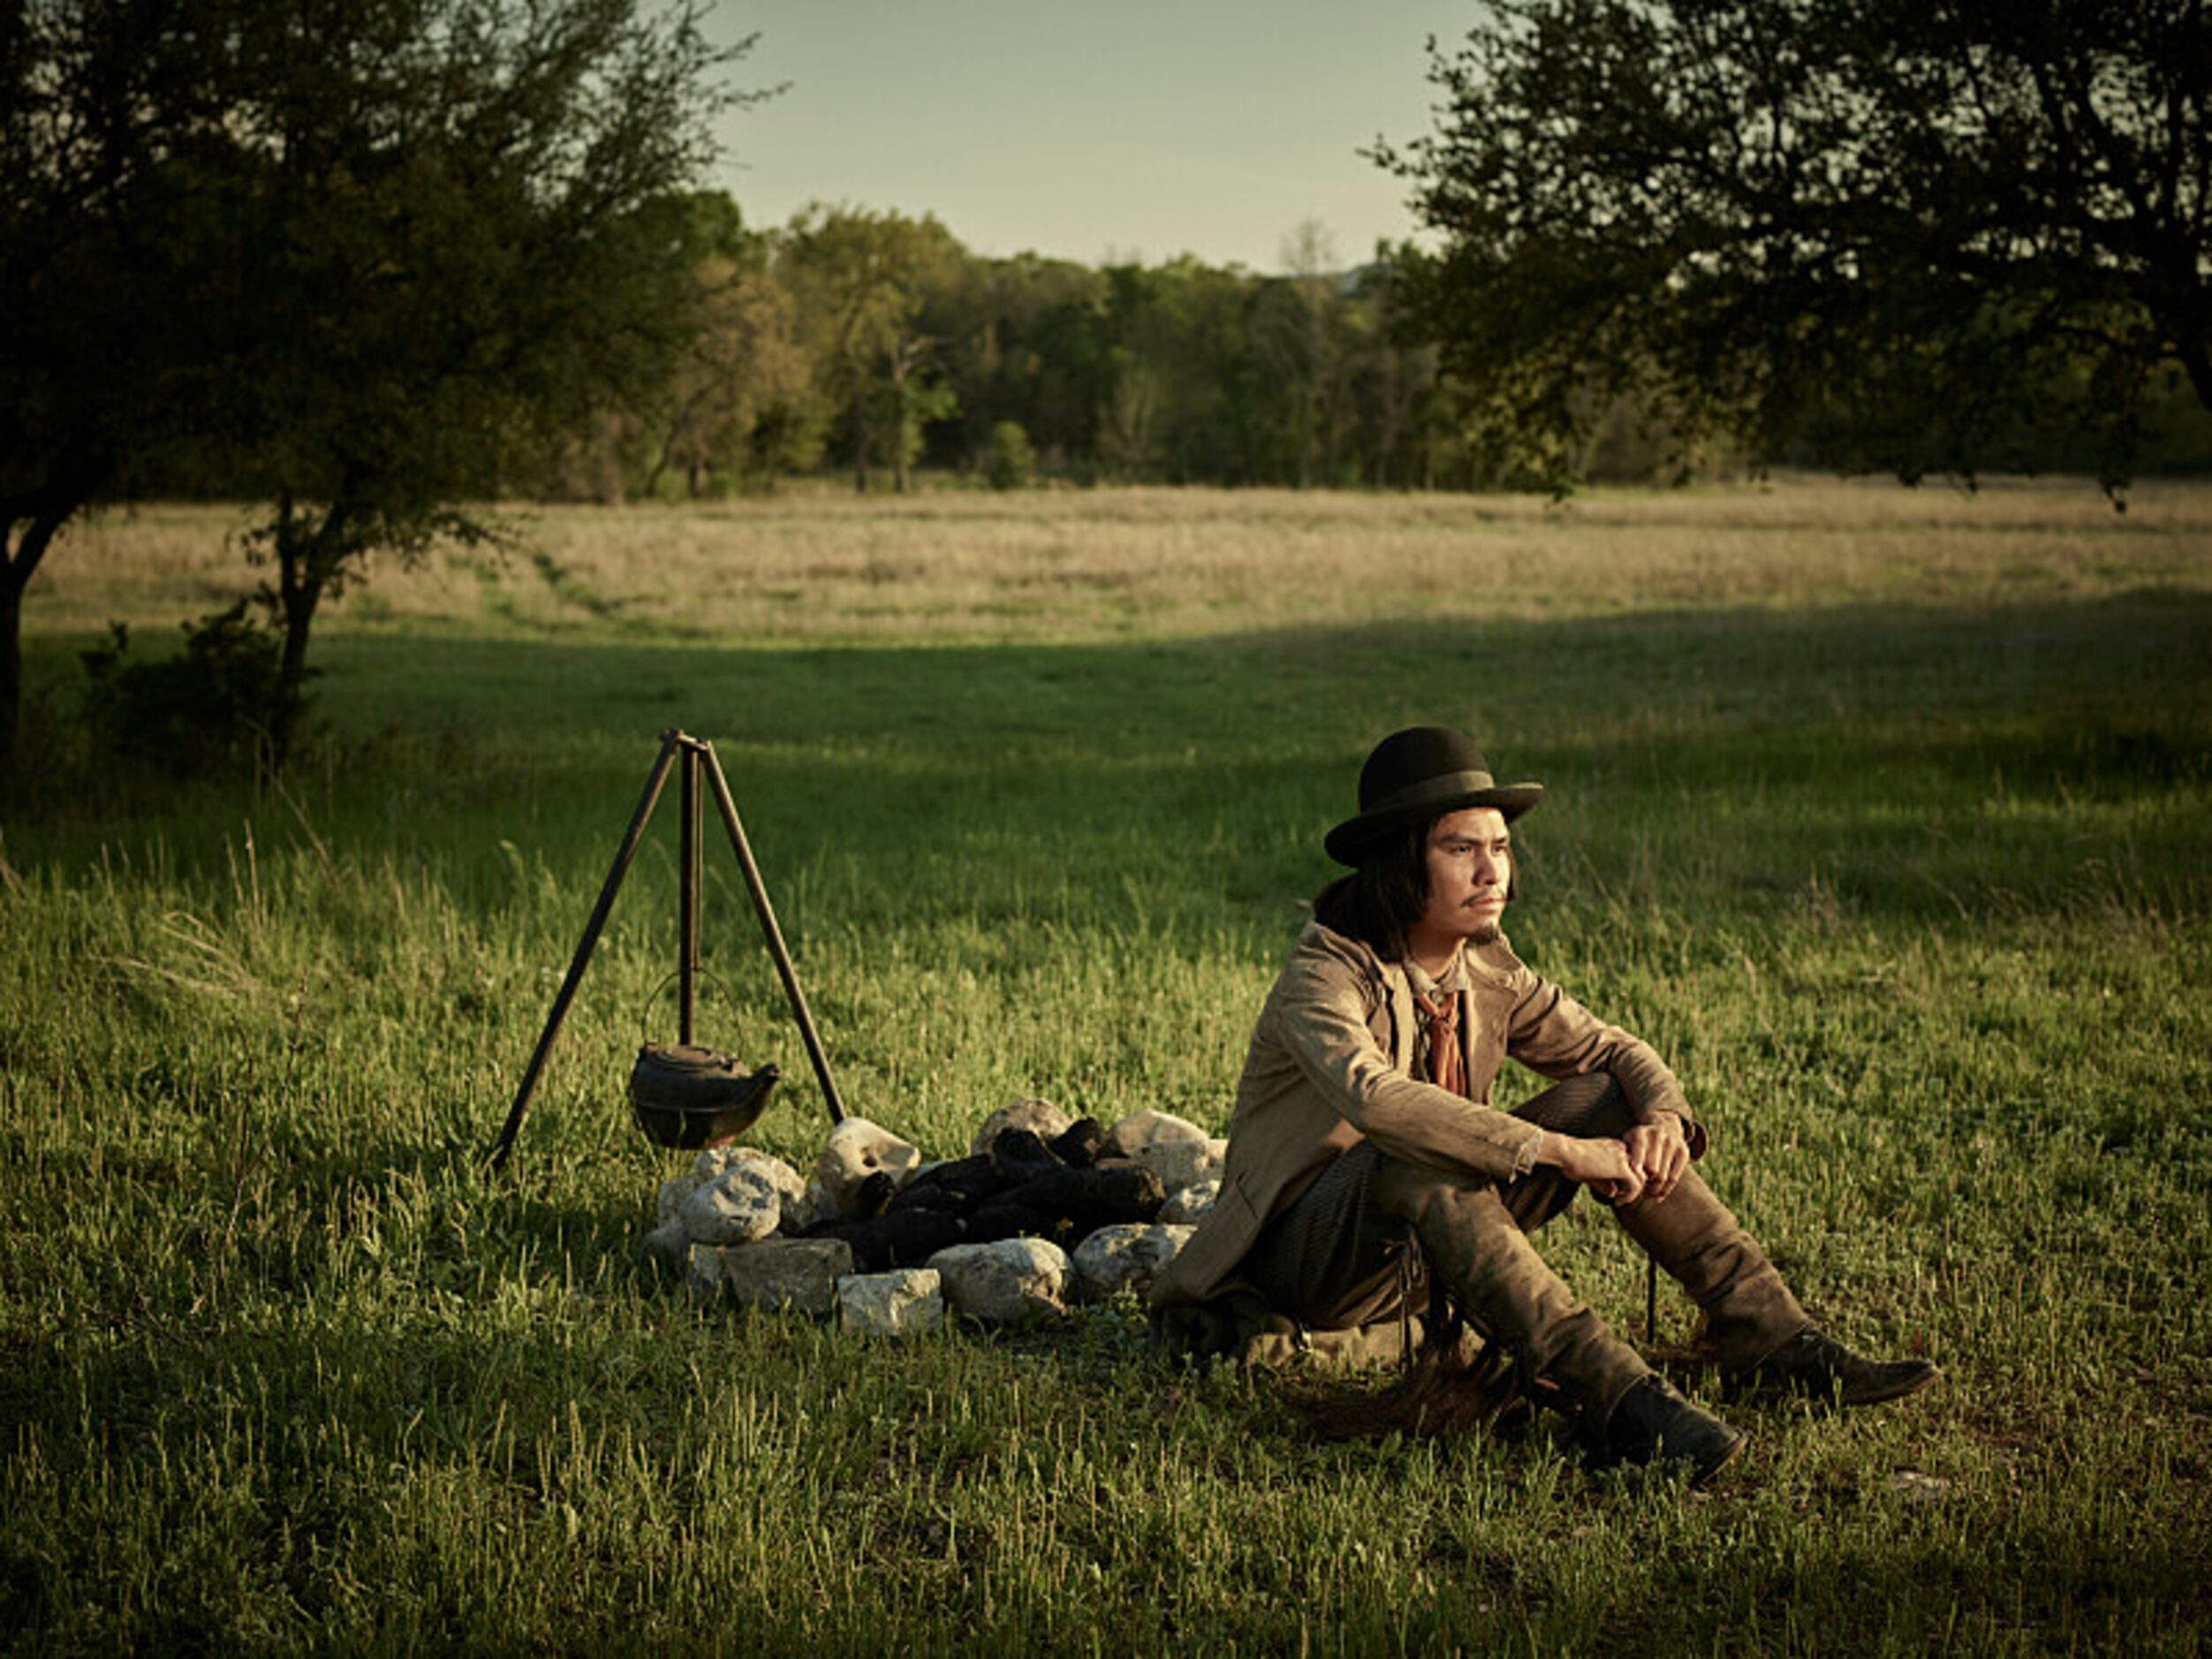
1625,1412
1652,1423
1754,1326
1813,1366
1749,1311
1506,1289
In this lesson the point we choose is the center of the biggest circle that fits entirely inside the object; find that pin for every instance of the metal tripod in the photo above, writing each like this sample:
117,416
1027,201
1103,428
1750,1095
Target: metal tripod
699,765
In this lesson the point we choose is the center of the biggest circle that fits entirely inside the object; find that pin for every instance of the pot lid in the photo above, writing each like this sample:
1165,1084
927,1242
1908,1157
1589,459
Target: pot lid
688,1059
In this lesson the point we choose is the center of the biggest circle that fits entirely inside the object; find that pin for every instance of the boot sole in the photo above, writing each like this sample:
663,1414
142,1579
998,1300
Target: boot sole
1703,1478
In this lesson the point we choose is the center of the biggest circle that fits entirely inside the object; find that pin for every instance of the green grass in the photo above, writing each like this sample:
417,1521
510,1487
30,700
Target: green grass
1884,814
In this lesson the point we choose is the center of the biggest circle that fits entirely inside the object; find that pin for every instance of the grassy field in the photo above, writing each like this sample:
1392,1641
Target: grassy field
1883,814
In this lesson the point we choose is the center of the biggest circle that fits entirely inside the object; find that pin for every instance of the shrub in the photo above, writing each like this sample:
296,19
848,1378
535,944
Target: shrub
1010,464
211,709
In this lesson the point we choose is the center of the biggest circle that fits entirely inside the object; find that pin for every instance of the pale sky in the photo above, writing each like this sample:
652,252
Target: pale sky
1134,129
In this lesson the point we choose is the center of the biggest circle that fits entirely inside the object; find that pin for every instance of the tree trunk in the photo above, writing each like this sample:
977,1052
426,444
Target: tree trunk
1306,400
859,443
898,418
17,567
11,670
300,598
304,562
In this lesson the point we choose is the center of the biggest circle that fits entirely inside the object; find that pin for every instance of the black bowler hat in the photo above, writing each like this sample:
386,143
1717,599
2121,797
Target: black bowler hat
1421,773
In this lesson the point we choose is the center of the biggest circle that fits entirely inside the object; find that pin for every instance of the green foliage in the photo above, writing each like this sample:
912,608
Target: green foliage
737,404
99,298
861,279
395,240
1017,345
1893,234
910,405
214,708
1179,373
1010,463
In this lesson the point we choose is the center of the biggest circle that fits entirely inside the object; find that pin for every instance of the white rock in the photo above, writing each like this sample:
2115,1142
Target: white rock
739,1206
801,1274
1128,1255
1922,1488
1010,1282
712,1161
715,1162
667,1203
1183,1208
891,1304
1146,1128
855,1151
787,1180
1181,1163
668,1244
1041,1118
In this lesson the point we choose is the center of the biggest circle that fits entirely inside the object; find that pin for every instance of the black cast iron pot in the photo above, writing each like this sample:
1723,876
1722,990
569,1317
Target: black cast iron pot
686,1096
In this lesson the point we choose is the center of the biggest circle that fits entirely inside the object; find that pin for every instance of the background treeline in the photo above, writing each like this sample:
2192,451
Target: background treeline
869,344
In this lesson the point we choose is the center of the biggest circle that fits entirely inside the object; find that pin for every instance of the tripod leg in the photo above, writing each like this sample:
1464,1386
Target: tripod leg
773,934
669,741
688,901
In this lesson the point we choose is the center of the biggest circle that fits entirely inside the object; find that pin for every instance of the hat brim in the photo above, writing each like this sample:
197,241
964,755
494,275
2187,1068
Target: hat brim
1354,835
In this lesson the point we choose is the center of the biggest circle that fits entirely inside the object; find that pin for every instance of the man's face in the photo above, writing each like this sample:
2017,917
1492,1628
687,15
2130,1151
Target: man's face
1469,862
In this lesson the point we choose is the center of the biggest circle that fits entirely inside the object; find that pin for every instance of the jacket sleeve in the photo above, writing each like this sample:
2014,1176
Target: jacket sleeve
1318,1017
1554,1035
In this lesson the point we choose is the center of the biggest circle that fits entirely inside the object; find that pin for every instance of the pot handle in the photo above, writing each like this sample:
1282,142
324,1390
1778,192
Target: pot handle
645,1011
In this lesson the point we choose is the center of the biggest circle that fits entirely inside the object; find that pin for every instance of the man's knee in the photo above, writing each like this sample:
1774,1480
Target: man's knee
1430,1199
1592,1105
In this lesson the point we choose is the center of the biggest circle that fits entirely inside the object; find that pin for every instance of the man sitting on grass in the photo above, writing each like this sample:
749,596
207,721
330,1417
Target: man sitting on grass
1363,1122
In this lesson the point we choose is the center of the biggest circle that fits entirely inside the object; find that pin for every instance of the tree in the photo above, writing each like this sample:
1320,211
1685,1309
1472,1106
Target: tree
446,218
1391,380
863,278
734,399
1183,393
1314,347
354,250
1018,342
1010,464
92,97
1892,232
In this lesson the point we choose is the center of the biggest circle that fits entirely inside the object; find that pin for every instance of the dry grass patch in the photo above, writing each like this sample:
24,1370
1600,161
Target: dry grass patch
959,566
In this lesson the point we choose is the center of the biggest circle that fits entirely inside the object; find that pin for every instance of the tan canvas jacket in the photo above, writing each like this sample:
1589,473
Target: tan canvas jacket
1331,1062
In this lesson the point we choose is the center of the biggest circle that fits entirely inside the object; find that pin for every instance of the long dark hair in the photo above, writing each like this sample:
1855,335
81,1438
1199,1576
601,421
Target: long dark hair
1377,902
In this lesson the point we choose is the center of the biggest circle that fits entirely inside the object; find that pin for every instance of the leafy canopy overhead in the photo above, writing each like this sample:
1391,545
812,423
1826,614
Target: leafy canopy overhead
1891,234
443,228
344,255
